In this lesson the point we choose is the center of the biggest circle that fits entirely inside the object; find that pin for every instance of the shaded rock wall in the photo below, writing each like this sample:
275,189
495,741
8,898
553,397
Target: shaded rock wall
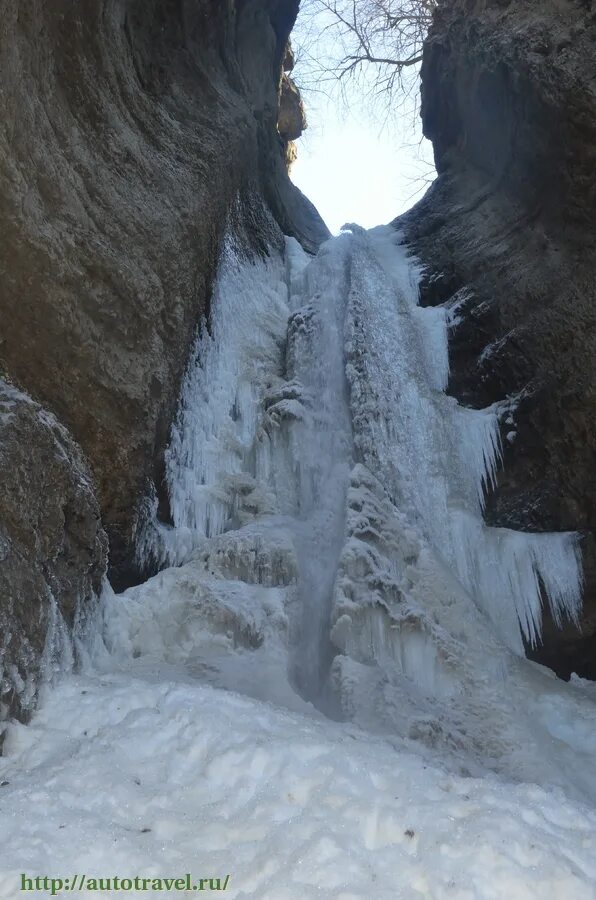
129,127
132,132
509,101
52,546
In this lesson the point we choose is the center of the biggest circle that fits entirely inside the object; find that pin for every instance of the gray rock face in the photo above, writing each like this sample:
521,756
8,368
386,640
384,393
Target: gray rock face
132,131
509,101
130,128
52,546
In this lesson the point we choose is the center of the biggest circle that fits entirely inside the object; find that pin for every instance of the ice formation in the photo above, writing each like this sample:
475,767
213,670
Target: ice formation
310,367
314,418
328,560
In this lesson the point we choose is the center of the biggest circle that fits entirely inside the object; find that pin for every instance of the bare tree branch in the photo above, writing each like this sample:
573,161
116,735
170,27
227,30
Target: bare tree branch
375,40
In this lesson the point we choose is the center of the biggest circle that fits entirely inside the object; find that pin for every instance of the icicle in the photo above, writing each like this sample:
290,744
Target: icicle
478,438
507,571
214,436
58,655
438,459
433,325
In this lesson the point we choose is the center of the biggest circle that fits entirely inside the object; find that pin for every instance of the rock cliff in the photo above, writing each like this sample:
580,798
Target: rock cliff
130,130
508,230
52,546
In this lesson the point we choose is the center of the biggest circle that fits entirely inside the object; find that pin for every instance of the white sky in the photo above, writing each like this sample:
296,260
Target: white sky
352,167
354,174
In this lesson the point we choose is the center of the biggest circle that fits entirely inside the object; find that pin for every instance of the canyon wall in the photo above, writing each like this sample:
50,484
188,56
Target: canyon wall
131,131
509,232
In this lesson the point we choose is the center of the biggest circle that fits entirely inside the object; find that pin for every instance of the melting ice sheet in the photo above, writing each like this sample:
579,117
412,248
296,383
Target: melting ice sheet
329,562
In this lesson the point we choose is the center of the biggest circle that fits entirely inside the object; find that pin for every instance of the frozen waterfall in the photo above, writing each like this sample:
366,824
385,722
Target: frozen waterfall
326,679
318,469
312,367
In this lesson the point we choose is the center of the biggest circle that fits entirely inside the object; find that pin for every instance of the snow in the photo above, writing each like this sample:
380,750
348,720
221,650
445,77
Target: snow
324,692
128,776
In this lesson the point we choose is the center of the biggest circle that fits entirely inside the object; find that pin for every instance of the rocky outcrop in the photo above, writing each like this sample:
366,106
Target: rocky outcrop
509,232
130,128
291,118
291,121
52,546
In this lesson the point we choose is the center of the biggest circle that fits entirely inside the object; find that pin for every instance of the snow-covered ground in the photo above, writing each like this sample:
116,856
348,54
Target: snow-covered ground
323,693
122,776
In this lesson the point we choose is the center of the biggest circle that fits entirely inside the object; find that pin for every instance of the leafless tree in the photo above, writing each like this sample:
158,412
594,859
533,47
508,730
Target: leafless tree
378,42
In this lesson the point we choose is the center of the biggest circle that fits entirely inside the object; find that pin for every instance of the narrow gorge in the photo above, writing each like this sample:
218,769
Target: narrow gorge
296,531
